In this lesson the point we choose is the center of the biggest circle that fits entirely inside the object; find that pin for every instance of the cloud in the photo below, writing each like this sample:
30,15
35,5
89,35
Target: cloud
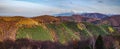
93,6
27,8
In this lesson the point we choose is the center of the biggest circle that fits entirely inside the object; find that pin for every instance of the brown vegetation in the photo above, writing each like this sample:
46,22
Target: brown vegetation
114,21
27,22
46,19
8,27
8,30
77,18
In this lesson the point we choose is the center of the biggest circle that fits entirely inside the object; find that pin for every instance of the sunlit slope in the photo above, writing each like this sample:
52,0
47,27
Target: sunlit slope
63,32
97,29
36,33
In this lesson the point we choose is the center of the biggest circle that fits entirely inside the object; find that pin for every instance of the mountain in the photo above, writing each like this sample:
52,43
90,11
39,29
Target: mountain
64,14
90,15
94,15
78,18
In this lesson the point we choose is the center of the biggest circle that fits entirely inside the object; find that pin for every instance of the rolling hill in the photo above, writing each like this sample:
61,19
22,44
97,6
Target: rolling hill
52,28
65,32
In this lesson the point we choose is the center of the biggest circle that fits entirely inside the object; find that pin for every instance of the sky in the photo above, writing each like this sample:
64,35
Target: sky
31,8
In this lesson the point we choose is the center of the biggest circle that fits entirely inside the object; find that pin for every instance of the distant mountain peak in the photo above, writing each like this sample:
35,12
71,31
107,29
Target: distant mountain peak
94,15
64,14
90,15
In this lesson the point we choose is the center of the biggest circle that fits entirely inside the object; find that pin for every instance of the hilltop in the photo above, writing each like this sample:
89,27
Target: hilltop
62,29
71,25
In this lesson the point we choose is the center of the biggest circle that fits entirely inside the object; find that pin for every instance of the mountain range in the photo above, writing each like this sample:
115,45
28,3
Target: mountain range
90,15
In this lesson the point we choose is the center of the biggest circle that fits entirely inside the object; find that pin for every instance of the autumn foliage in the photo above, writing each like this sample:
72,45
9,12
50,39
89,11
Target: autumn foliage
46,19
10,24
53,25
27,22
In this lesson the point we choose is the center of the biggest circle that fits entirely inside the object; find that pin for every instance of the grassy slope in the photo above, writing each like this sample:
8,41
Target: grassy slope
64,32
36,33
96,30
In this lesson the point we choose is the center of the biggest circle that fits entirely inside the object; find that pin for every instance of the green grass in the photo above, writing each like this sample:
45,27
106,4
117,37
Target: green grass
36,33
64,32
96,30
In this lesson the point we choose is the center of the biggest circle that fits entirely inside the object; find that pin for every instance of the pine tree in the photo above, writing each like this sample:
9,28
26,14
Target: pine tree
99,43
